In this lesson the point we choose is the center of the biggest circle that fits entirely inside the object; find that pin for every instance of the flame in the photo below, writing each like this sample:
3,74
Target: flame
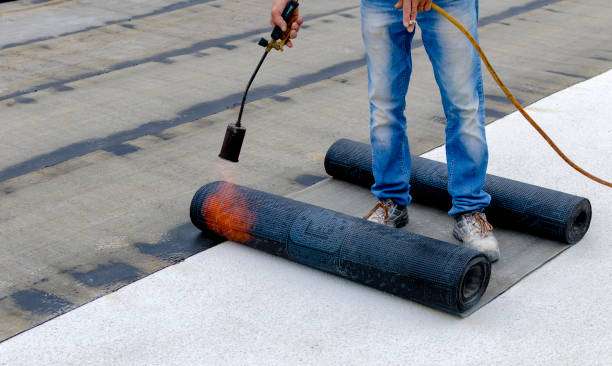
227,213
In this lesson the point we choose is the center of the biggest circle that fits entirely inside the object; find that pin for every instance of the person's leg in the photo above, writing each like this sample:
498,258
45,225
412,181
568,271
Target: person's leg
457,70
387,45
458,73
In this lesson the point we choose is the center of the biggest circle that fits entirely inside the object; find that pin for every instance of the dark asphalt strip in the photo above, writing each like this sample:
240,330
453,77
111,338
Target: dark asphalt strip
195,112
208,108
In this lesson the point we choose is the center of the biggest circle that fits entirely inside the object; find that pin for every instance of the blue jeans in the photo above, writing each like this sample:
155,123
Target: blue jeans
456,67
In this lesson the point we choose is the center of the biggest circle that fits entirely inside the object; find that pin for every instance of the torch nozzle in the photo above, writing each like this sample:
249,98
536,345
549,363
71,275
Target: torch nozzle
232,143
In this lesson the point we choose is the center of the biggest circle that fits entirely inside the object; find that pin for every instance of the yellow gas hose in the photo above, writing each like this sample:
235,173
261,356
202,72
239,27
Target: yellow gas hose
513,99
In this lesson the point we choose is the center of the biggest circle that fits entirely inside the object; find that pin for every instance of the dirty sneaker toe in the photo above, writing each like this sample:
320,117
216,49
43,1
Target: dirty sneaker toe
388,213
475,232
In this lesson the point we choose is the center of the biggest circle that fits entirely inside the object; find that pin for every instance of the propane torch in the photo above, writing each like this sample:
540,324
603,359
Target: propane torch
234,135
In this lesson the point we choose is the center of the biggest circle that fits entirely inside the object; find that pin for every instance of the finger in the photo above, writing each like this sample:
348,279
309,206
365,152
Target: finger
406,17
428,5
289,44
295,16
400,4
413,14
300,20
277,19
294,28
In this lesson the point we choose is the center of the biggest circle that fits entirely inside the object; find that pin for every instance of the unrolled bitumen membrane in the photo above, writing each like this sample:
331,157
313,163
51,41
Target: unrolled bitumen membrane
432,272
515,205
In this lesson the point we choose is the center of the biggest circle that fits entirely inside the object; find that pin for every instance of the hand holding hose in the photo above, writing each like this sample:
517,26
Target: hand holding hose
411,7
276,19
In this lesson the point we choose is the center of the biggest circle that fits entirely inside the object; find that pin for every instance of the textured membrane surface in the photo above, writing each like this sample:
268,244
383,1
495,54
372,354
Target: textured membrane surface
514,205
415,267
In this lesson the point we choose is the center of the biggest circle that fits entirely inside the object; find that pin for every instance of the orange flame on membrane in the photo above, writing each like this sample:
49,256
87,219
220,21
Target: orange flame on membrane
226,213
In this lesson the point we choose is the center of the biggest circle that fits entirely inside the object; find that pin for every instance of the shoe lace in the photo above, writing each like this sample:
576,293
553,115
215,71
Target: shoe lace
379,204
480,221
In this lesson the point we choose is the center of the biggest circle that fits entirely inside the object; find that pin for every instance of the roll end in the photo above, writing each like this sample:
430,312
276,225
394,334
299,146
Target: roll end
474,282
579,222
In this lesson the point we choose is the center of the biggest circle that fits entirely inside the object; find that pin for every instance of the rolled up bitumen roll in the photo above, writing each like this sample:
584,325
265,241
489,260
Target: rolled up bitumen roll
422,269
515,205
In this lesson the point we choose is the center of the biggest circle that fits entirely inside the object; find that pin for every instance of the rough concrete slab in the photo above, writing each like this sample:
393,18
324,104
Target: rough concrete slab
235,305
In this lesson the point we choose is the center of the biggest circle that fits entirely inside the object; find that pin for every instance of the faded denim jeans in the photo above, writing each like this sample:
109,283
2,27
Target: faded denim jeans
457,71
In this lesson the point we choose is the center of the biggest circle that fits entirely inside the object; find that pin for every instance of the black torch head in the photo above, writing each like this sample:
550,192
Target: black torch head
232,143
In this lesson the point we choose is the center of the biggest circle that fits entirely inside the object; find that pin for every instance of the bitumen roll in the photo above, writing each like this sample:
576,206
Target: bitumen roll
429,271
514,205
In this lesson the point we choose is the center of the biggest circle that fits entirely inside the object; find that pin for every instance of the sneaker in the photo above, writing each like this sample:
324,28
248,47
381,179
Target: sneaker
475,232
388,213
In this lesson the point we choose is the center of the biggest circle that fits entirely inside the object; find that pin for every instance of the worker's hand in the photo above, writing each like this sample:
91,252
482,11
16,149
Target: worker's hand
277,19
411,7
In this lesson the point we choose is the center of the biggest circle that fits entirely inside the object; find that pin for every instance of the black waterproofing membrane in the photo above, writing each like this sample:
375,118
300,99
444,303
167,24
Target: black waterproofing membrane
429,271
514,205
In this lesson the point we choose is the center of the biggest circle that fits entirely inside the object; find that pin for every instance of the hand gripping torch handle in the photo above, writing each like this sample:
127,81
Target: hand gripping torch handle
287,15
277,33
